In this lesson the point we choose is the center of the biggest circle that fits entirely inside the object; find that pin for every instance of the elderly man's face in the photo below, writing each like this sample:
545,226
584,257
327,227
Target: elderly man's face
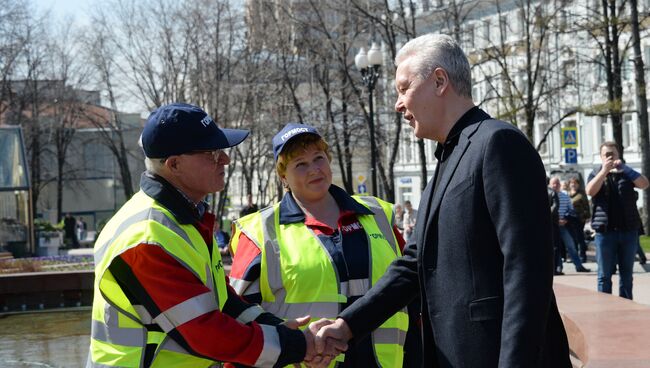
201,173
416,99
555,184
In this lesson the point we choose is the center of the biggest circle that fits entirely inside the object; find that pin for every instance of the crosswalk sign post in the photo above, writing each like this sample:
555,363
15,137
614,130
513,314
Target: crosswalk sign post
361,188
570,137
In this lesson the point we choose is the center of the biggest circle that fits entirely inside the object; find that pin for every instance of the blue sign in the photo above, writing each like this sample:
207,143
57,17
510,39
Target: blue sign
570,137
570,155
361,188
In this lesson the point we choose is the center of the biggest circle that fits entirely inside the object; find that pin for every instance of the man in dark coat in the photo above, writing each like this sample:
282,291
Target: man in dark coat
482,257
69,231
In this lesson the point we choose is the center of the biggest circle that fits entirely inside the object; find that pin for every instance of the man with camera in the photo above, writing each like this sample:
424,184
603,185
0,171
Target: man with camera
615,217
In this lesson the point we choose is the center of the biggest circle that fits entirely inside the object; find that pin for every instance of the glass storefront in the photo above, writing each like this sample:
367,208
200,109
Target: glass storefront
15,216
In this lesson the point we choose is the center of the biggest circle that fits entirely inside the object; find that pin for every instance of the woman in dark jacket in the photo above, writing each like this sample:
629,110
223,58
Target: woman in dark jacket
581,206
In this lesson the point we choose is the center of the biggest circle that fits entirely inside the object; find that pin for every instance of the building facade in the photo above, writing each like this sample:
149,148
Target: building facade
570,77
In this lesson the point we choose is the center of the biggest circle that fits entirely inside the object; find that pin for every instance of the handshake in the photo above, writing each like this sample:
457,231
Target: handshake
326,339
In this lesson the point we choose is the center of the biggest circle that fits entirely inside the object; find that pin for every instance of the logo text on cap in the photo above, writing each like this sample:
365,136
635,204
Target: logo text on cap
294,131
206,121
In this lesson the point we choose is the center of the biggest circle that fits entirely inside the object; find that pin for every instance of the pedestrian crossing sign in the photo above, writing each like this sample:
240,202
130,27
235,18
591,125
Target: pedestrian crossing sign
570,137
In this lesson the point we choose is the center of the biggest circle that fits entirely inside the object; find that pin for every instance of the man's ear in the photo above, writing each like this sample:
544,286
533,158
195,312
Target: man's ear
440,79
172,163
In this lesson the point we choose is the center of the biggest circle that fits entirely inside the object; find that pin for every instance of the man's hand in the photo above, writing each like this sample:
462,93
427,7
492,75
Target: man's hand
331,336
295,323
313,359
331,348
608,165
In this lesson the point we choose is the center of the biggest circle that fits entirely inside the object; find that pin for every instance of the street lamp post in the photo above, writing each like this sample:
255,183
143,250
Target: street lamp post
368,64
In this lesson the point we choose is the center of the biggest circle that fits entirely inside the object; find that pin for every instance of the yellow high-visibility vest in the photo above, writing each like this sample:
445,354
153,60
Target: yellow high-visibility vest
119,335
298,276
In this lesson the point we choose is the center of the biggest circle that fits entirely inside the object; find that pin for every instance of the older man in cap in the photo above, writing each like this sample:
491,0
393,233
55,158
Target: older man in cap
161,296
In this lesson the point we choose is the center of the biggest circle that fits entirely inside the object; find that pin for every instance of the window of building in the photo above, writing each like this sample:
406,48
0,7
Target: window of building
476,93
599,70
98,160
542,127
627,67
605,129
568,71
486,31
468,37
629,142
425,5
407,149
563,19
503,27
517,25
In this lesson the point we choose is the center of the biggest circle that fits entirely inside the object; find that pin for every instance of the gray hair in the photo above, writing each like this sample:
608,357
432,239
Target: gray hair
154,165
433,51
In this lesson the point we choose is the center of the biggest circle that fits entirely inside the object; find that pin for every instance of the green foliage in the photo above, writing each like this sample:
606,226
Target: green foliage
645,243
42,225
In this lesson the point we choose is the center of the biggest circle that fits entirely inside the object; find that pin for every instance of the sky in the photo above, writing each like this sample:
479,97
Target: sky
78,10
62,8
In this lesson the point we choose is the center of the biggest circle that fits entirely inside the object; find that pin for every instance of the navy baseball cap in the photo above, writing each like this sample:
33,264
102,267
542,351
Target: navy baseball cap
180,128
289,132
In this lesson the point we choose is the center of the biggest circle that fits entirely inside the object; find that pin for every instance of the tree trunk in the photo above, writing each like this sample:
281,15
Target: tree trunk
642,107
613,69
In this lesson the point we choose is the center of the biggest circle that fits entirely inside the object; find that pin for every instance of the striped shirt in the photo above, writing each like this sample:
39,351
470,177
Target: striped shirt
566,207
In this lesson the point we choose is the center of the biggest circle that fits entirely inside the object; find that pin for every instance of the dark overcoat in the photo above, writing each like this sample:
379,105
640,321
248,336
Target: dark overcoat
481,260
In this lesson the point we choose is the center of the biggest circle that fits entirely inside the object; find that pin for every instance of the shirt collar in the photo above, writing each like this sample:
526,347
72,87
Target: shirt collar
290,211
184,210
471,116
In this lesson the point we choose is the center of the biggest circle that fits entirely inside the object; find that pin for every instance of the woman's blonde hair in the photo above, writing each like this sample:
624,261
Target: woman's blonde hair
296,146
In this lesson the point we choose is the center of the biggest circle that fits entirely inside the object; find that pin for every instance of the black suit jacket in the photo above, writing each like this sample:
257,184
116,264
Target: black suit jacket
482,260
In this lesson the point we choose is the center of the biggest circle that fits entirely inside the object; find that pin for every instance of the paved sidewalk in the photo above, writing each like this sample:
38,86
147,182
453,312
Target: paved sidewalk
641,282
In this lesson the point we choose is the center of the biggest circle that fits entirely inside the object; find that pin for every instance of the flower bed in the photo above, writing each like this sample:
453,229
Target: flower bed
48,263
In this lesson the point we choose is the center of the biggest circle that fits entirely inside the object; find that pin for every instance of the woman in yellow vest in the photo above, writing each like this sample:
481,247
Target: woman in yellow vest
319,249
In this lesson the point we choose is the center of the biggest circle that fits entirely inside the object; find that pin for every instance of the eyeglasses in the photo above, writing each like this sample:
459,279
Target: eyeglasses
215,154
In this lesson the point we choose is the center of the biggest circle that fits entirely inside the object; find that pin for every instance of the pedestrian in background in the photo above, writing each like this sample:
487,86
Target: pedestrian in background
409,220
554,202
250,206
567,216
399,217
615,218
70,231
583,214
81,228
223,240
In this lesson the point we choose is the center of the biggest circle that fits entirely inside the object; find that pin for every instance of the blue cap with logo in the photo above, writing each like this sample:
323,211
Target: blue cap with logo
289,132
180,128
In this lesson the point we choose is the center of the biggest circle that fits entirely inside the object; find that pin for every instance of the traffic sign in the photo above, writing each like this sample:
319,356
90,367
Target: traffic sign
570,137
361,188
570,155
361,179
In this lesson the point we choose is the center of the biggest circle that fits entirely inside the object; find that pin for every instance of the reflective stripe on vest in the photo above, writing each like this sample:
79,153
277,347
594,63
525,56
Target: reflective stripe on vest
250,314
119,332
284,248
